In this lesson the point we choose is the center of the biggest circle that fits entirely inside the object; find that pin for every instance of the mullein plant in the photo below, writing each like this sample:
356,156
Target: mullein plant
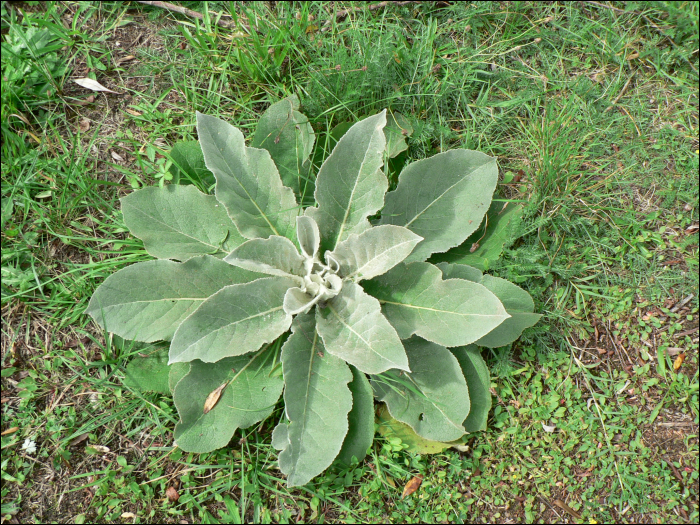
356,297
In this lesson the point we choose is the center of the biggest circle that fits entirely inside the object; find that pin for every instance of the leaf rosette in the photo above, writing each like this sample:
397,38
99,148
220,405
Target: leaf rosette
248,278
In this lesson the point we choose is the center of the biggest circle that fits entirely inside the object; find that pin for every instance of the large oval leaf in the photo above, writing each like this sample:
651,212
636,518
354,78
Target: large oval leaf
433,399
389,427
289,138
350,185
274,256
148,371
353,328
179,222
442,199
478,380
374,251
236,320
188,165
317,401
147,301
485,245
251,389
247,181
515,300
454,312
360,420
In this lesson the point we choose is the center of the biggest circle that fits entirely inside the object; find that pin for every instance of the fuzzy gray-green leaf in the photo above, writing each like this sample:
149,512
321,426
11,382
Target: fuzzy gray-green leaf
317,401
374,251
148,371
236,320
437,401
289,138
515,300
274,256
442,199
247,181
179,222
360,420
350,185
148,300
249,395
354,329
478,380
454,312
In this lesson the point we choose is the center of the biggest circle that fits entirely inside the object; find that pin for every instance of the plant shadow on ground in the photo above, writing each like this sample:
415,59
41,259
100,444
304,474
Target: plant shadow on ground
592,111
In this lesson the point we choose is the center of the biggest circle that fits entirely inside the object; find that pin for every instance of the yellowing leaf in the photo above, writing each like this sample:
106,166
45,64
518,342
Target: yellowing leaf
679,361
412,486
213,398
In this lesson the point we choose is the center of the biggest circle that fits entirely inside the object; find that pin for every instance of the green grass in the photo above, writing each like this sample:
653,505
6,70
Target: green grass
592,111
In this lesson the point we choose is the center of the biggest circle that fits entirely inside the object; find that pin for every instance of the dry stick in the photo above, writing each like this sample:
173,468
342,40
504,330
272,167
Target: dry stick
345,12
619,96
185,11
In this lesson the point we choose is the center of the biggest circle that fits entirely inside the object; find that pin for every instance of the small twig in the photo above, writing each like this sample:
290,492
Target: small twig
619,96
186,12
345,12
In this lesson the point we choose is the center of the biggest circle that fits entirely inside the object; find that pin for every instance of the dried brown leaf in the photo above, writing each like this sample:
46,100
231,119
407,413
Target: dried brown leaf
84,124
172,494
213,398
559,503
412,485
9,431
82,437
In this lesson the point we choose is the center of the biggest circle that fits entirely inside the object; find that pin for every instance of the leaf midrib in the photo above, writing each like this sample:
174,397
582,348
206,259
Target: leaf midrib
354,188
167,226
232,174
430,205
452,312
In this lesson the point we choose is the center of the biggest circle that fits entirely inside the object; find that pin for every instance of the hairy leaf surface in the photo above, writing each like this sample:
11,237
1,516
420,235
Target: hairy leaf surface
478,380
442,199
353,328
148,300
148,371
485,245
515,300
179,222
317,401
433,399
236,320
188,165
374,251
289,138
247,181
416,300
393,428
360,420
350,185
396,130
308,235
249,395
274,256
